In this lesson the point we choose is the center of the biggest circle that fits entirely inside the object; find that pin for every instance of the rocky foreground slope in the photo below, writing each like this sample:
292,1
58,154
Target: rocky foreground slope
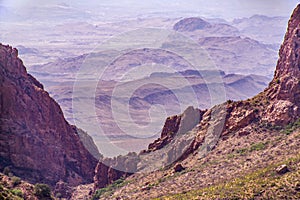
238,150
36,142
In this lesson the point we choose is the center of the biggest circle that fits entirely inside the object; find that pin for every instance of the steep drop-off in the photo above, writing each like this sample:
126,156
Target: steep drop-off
36,141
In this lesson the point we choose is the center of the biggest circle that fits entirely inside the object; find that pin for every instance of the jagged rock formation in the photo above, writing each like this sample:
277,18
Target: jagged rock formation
178,124
161,150
284,89
170,128
36,141
88,143
109,170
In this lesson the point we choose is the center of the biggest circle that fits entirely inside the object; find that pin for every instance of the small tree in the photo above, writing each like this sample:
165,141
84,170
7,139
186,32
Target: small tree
6,171
17,192
42,191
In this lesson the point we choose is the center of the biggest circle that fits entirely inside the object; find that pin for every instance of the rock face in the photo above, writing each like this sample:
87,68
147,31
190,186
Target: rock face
178,124
190,24
285,87
170,128
109,170
36,141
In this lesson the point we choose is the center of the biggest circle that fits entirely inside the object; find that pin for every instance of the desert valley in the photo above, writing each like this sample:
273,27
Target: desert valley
160,105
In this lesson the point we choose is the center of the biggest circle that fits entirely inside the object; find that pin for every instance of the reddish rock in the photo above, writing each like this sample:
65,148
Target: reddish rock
178,124
35,139
170,128
243,133
284,89
171,125
277,105
109,170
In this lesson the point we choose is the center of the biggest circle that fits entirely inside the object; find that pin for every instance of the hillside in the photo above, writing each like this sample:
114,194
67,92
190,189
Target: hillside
236,150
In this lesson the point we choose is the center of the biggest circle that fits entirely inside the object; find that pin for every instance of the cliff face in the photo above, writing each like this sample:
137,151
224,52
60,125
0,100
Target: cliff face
176,125
284,90
36,141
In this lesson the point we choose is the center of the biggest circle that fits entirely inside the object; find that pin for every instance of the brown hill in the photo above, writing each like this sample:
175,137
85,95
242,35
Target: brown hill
190,24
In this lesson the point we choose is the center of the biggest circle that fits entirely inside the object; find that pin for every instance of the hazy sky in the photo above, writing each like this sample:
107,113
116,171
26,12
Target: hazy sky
227,9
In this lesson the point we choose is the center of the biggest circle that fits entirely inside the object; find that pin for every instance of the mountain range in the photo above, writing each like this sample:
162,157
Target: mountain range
245,149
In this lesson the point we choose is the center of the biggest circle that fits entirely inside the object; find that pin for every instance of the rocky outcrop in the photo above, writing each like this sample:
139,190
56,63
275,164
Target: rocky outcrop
169,130
36,141
190,24
109,170
284,89
62,190
178,124
171,125
89,144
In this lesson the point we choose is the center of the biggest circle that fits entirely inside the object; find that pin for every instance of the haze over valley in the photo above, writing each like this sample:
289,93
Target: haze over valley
70,51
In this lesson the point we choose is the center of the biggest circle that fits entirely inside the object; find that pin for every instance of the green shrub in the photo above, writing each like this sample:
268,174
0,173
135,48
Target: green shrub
15,180
242,151
290,128
42,191
229,101
297,124
99,192
116,184
257,146
17,192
